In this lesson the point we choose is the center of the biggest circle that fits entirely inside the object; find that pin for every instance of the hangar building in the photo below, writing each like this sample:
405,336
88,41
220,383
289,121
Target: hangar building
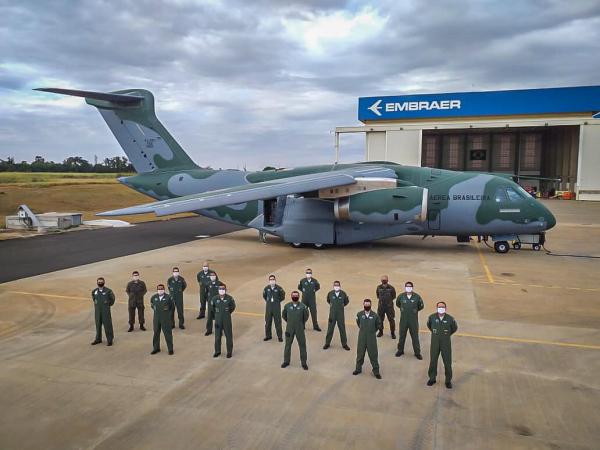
547,133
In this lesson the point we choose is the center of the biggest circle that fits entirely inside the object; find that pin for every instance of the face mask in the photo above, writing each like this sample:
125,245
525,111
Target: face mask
295,299
100,283
213,278
384,281
309,275
205,268
367,307
408,288
221,291
175,274
161,292
272,282
136,277
336,288
441,310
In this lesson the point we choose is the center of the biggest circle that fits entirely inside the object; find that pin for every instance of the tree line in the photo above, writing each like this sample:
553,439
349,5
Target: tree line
116,164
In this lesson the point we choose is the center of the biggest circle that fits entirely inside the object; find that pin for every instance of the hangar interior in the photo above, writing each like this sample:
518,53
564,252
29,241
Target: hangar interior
551,133
545,152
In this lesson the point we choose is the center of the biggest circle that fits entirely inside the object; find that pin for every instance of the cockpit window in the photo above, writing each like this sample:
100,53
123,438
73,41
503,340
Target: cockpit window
500,195
513,195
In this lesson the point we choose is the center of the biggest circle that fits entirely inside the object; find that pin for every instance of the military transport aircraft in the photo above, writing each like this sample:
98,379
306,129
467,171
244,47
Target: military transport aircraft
316,205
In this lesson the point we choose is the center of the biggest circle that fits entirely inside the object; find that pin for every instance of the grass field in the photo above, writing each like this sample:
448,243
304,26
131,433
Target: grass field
45,179
68,192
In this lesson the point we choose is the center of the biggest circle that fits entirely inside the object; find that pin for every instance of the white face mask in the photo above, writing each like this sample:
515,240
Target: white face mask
408,288
136,277
161,292
213,278
441,310
309,275
175,274
221,291
336,288
272,282
205,268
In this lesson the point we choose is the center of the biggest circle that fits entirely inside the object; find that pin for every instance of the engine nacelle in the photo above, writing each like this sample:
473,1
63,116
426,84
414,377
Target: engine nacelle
384,206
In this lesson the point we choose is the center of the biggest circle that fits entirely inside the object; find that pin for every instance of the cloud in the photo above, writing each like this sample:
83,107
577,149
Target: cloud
264,82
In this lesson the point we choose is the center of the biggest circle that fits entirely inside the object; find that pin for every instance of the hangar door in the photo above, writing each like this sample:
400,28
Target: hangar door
539,151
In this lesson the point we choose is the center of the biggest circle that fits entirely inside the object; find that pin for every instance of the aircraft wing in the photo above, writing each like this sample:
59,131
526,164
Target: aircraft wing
248,192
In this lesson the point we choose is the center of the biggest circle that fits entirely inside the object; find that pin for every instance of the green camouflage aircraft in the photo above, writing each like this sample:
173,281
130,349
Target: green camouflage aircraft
316,205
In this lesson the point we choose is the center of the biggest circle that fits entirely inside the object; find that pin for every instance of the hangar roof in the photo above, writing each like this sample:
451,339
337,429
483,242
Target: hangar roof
561,100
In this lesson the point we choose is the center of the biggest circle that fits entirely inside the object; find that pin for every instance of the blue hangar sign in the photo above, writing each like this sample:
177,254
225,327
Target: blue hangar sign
489,103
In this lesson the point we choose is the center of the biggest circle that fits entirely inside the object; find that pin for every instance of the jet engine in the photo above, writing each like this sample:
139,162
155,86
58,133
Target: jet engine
384,206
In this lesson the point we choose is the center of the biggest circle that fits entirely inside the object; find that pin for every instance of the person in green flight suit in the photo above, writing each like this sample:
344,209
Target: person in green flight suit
177,285
136,289
162,304
223,306
386,294
103,298
203,278
368,324
309,287
212,290
295,315
442,327
410,303
337,300
273,295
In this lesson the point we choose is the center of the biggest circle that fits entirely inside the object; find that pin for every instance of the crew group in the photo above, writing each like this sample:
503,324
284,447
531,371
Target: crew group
217,306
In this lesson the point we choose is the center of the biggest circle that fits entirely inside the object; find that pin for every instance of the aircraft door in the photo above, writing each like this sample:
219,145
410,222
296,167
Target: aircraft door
434,219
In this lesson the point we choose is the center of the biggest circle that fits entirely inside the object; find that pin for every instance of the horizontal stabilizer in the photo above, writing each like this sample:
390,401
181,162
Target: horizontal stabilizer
123,99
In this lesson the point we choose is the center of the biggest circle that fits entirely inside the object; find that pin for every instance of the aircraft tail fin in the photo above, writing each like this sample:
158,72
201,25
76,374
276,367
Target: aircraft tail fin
130,116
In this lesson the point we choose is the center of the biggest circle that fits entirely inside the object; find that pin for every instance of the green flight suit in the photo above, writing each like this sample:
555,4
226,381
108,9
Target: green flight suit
336,315
386,294
273,296
367,339
176,288
212,290
409,319
309,290
203,282
135,291
103,299
295,314
441,330
163,308
222,310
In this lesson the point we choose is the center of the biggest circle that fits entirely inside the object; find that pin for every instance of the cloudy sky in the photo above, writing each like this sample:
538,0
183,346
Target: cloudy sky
265,81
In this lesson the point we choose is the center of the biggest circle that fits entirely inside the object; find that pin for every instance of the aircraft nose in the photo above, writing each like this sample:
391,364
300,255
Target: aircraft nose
548,217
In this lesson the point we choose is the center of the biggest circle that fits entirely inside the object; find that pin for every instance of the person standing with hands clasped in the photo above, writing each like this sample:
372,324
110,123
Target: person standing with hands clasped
295,314
337,300
368,323
442,327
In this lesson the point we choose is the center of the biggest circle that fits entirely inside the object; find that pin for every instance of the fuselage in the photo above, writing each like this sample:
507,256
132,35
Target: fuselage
457,203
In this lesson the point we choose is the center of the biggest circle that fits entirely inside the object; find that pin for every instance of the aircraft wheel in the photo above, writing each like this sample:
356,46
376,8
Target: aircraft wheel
319,246
501,246
296,244
536,247
517,245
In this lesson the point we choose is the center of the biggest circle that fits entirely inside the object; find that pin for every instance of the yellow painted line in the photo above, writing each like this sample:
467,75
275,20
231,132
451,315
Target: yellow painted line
68,297
572,288
526,341
475,336
488,273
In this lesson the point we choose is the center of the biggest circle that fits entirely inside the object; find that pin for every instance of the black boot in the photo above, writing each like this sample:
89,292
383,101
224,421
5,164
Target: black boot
130,329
